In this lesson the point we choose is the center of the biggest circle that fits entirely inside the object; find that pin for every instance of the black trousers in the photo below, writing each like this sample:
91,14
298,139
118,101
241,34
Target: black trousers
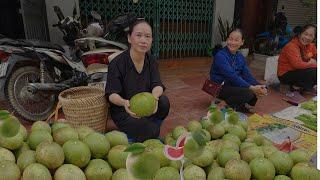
304,78
237,97
145,127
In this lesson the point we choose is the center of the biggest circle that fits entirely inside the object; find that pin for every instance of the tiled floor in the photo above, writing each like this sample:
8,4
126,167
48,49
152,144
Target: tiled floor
183,79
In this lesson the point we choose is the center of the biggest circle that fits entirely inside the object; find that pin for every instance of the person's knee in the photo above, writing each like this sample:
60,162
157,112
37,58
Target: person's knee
164,105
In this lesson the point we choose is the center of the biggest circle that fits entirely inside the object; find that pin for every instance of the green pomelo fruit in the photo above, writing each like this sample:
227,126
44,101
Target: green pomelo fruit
230,144
205,123
250,153
83,131
216,173
258,139
116,138
216,131
243,124
193,172
98,169
207,136
299,155
178,131
262,169
50,154
246,144
226,155
120,174
9,170
282,162
153,143
143,104
98,144
282,177
216,116
159,153
65,134
205,158
26,158
304,171
41,125
166,173
175,164
6,155
117,157
233,138
192,149
214,146
238,131
233,117
237,169
21,149
12,142
268,150
69,172
23,132
77,153
193,126
37,137
143,165
9,127
57,125
36,171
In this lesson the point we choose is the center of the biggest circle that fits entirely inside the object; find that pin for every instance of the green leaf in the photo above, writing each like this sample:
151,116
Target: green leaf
9,127
135,148
199,137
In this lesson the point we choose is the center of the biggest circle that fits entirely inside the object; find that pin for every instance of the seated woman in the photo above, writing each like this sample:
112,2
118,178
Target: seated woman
132,72
297,65
240,89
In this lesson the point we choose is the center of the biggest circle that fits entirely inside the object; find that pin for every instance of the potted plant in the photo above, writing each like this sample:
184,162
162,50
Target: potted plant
225,27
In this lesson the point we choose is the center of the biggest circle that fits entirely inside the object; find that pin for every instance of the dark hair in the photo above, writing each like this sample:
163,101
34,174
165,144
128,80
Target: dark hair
307,26
138,21
237,30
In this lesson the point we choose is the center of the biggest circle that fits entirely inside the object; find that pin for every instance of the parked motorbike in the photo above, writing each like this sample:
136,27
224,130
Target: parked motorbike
33,73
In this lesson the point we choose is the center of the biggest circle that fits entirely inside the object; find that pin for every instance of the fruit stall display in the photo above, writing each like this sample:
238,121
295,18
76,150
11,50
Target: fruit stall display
214,148
309,120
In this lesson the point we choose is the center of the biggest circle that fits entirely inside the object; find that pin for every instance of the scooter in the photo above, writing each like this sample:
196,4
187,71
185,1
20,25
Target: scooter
33,73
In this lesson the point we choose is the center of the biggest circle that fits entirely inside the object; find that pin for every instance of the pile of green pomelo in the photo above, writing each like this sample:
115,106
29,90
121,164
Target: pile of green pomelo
217,148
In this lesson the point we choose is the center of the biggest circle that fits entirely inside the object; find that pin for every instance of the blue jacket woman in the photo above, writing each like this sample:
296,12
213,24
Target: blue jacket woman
240,89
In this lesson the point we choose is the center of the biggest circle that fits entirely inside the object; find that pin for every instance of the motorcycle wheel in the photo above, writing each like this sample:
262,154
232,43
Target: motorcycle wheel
32,106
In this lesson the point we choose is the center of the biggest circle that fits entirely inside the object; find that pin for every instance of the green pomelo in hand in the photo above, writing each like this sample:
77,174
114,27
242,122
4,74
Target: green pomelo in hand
143,104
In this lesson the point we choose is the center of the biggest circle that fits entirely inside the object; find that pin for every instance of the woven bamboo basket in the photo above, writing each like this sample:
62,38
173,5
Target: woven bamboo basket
85,106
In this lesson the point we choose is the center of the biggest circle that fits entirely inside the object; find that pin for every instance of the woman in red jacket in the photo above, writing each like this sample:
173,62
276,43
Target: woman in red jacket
297,64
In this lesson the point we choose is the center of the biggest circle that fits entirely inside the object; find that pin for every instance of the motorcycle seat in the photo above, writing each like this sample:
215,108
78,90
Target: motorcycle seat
30,43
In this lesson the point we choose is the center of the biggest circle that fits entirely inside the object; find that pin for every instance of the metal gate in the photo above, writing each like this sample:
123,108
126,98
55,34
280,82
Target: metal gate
34,19
181,28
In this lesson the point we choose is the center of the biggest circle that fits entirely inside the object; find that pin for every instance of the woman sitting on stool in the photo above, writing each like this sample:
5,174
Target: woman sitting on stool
297,65
240,89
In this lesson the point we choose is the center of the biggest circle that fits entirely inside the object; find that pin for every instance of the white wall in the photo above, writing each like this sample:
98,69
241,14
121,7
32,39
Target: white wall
66,7
224,8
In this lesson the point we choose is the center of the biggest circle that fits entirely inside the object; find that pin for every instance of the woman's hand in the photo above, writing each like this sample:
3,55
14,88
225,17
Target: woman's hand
157,102
259,90
127,108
